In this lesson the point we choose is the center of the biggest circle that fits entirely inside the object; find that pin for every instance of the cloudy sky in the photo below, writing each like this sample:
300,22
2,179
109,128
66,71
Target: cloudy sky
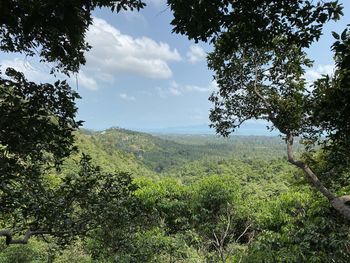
140,76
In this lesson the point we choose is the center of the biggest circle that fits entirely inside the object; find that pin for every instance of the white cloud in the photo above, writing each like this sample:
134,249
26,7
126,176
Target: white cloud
176,89
196,54
39,73
30,72
113,53
317,72
193,88
87,81
125,96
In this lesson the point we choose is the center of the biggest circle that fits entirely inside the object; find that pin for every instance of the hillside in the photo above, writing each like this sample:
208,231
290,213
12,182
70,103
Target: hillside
161,153
109,158
179,193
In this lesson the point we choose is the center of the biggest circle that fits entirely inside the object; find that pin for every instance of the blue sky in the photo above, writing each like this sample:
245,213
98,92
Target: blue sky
141,76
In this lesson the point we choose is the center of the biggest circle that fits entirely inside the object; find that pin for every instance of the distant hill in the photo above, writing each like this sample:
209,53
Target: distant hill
117,147
249,128
108,156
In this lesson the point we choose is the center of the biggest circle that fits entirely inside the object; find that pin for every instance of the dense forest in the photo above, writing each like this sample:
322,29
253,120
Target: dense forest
74,195
216,200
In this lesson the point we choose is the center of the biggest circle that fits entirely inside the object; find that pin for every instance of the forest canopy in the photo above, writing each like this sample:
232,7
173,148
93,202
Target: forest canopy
123,196
259,61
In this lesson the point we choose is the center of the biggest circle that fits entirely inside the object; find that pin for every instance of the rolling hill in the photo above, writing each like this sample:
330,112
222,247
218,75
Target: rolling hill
118,148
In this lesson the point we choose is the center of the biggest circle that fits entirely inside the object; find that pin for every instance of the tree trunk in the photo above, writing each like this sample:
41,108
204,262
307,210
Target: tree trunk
340,204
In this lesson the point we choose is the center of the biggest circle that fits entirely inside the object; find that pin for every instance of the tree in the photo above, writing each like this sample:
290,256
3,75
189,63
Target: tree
216,214
259,60
81,203
54,30
38,120
298,226
36,131
330,98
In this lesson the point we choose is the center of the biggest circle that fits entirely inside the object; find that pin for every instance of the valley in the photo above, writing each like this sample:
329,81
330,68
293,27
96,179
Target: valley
189,198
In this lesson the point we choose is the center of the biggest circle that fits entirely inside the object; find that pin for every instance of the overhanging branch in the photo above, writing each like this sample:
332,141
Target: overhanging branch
309,173
341,204
9,236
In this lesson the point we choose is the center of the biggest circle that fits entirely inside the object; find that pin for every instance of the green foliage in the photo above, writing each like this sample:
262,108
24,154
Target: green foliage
166,201
213,196
156,245
298,228
267,84
259,61
330,98
41,137
79,203
73,254
207,207
55,30
165,153
35,252
258,209
44,117
38,120
255,22
41,252
156,153
110,159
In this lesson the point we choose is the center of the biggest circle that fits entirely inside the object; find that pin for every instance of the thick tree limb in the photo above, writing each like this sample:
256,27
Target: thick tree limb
9,236
309,173
341,204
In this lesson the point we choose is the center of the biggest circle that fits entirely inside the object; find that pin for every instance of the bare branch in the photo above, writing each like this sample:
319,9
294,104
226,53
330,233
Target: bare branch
243,233
216,242
228,225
